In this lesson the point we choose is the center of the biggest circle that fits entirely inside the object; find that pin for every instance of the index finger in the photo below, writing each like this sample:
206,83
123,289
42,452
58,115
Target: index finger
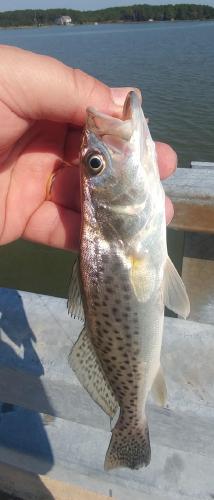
45,88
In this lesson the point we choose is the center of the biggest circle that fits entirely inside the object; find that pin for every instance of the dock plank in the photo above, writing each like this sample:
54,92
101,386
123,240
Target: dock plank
36,338
78,451
70,443
191,191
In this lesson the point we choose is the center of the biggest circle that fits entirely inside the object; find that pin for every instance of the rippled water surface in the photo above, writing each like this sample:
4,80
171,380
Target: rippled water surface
172,62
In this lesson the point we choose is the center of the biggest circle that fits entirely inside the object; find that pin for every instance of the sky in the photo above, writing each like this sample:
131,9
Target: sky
85,4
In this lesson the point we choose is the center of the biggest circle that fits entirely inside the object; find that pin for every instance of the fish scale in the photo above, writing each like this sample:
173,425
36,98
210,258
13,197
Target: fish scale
118,335
124,277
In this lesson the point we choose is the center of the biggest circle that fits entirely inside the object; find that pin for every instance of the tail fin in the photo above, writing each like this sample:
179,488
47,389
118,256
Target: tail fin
129,447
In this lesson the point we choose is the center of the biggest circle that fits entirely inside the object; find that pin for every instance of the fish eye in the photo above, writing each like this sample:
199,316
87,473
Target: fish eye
96,163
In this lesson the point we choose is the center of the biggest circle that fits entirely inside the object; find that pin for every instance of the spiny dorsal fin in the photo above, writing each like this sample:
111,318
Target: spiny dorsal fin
86,365
75,307
175,295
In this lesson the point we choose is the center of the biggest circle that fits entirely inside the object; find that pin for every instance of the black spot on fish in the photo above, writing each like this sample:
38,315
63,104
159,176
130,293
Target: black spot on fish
107,349
109,342
126,296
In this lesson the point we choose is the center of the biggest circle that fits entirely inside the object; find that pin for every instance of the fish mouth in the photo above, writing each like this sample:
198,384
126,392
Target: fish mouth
105,126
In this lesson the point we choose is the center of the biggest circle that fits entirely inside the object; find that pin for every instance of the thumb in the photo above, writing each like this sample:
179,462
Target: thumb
40,87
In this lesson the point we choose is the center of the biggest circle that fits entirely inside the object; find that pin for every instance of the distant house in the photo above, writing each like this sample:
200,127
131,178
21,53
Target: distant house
63,20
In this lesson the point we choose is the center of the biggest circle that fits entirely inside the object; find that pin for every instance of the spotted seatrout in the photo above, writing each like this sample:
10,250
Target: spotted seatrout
123,279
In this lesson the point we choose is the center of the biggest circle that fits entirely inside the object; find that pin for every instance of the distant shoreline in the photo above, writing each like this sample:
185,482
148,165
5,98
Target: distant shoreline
154,21
136,14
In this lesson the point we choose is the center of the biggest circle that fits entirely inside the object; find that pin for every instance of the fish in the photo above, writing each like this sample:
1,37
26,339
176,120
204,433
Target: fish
123,278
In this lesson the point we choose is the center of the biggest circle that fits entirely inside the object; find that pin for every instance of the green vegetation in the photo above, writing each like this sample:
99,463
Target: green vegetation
134,13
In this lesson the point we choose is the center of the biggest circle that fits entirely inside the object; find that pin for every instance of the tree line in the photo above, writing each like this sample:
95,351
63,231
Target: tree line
134,13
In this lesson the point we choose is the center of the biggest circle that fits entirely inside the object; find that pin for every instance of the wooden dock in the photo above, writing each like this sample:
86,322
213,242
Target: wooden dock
54,429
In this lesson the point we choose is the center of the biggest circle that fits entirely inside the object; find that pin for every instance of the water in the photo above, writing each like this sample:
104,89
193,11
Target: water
172,63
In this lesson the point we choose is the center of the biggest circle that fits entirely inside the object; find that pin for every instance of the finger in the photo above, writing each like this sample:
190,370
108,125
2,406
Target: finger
65,188
45,88
55,226
169,210
167,159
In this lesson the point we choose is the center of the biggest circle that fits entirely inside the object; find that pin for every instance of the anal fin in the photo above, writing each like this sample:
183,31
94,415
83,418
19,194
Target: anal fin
86,365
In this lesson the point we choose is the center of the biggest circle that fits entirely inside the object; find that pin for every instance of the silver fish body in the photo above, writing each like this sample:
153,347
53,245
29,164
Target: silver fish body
125,277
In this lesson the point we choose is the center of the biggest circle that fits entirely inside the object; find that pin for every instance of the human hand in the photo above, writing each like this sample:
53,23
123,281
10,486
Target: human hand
42,111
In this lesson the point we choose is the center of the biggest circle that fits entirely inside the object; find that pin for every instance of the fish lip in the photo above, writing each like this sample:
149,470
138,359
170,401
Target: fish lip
132,103
102,124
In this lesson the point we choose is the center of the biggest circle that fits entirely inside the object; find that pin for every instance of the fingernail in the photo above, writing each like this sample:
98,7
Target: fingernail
119,94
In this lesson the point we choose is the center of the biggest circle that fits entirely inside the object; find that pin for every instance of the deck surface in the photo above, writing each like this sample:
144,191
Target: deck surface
69,444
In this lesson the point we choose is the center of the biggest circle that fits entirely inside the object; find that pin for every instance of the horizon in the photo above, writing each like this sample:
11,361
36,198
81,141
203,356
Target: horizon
84,5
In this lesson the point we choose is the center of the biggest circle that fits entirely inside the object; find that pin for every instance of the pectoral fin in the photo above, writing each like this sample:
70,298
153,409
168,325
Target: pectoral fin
75,307
142,277
159,390
175,295
86,365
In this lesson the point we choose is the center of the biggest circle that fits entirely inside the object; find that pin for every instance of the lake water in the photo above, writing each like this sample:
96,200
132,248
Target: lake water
172,63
